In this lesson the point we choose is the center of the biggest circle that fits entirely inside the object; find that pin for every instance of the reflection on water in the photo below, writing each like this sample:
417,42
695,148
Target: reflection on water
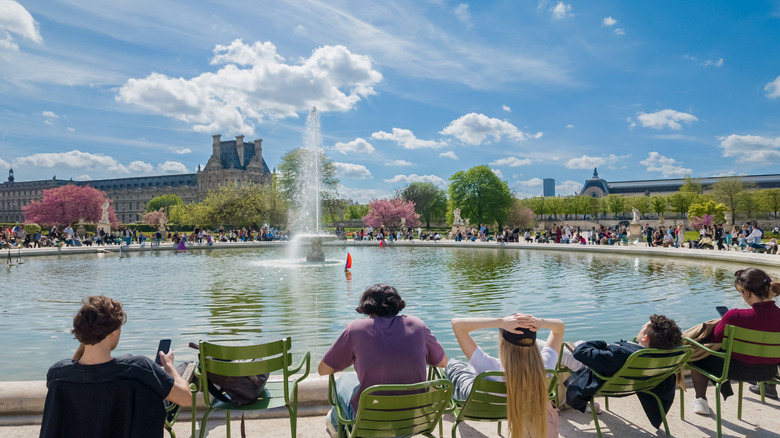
257,295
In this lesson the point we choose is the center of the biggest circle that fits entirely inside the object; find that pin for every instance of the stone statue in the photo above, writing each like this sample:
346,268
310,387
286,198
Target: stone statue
636,213
104,213
457,219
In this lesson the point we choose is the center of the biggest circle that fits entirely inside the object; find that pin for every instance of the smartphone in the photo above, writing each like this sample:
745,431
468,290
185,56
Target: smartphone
165,347
722,310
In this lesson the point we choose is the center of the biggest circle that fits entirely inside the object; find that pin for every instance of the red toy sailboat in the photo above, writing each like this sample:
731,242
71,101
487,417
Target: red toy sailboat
348,265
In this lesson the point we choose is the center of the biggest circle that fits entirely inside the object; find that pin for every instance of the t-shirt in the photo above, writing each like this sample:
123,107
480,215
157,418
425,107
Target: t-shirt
385,350
482,362
121,398
764,316
139,368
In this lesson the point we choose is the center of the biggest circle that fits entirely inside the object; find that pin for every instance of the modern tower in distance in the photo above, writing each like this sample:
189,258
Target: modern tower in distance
549,187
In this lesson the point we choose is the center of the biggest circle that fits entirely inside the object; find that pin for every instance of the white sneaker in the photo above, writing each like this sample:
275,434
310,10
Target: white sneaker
701,407
598,408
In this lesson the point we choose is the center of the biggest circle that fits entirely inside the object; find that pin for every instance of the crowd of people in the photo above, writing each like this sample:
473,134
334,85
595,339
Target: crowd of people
386,347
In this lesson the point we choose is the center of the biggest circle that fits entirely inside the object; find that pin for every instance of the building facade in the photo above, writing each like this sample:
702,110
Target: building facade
597,187
231,161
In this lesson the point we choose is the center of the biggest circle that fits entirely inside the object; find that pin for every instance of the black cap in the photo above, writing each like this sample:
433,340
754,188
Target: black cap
525,339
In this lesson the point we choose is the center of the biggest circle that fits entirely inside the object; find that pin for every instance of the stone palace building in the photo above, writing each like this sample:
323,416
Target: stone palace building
232,161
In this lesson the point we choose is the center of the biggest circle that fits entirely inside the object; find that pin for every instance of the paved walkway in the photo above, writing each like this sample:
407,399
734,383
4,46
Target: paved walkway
626,419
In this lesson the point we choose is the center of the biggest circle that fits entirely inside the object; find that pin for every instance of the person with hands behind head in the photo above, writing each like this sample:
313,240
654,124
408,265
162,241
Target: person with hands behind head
524,363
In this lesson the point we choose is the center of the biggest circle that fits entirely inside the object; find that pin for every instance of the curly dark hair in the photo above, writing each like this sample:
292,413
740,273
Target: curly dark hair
380,300
98,317
757,282
663,333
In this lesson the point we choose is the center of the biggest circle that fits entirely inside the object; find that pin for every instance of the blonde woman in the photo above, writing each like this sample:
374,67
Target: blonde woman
529,412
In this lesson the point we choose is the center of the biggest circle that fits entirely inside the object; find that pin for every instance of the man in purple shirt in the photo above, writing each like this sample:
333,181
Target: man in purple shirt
384,348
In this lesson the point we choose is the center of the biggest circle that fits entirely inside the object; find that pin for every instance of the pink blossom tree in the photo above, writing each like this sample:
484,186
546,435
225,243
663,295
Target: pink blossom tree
697,223
155,218
67,204
389,213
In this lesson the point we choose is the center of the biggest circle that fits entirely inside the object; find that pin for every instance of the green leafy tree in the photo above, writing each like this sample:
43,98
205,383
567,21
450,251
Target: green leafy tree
232,205
290,182
681,202
747,202
481,195
641,203
659,204
356,211
691,185
727,191
537,204
554,205
711,208
520,216
595,207
334,210
769,200
430,202
163,201
615,203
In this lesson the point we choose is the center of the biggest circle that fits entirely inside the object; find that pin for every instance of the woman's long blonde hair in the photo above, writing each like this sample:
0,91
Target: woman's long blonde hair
526,387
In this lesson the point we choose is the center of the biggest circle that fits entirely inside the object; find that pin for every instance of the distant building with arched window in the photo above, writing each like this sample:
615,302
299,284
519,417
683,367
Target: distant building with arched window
231,161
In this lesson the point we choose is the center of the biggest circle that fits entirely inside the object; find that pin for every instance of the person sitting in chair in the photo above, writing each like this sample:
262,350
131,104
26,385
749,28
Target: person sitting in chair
607,359
385,348
95,394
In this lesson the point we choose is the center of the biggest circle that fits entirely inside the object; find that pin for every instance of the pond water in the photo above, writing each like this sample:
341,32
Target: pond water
256,295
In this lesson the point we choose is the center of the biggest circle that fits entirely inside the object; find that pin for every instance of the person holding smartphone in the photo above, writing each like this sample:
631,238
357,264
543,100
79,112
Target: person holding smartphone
94,390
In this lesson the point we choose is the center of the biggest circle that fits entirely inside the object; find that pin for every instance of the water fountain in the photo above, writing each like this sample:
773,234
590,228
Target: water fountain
306,217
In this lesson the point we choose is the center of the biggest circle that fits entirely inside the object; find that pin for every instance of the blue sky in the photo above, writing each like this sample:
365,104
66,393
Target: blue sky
407,90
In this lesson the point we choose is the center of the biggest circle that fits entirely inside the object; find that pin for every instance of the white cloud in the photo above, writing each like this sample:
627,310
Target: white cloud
14,18
74,159
751,148
511,162
7,42
462,14
408,179
497,172
49,114
568,188
172,167
569,126
448,154
256,84
561,10
399,163
181,151
711,63
656,162
620,31
609,21
356,146
588,162
4,163
665,119
773,88
506,108
363,195
84,177
48,122
406,139
473,129
140,166
349,170
71,129
533,182
631,123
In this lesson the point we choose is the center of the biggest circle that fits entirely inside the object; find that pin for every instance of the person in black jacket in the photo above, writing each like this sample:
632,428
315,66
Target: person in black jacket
607,359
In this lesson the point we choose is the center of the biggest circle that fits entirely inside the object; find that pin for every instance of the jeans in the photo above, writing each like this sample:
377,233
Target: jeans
346,387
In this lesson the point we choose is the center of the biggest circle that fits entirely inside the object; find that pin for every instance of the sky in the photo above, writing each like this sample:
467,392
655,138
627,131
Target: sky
407,90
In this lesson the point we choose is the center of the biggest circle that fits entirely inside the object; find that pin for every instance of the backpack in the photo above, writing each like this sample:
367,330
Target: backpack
238,391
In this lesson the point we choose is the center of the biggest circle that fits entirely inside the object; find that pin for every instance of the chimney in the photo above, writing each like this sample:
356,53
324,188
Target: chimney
217,153
259,150
240,149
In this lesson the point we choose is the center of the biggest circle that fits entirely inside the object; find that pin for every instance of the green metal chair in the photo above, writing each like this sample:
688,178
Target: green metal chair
395,410
251,360
736,340
644,370
172,410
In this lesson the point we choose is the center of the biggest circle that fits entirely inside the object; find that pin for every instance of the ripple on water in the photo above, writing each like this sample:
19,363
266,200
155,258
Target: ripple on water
256,295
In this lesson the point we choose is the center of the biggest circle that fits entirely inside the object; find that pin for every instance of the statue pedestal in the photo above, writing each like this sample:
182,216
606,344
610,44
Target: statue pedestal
636,231
105,226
